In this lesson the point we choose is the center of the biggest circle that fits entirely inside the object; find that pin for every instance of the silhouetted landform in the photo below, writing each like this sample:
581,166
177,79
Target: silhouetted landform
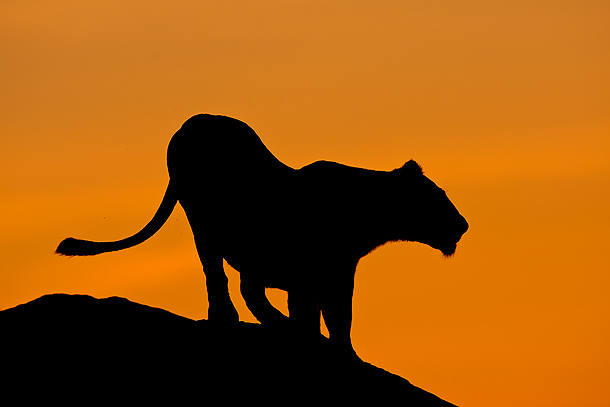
79,349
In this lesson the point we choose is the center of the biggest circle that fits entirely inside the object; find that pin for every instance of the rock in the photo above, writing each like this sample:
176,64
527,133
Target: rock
79,349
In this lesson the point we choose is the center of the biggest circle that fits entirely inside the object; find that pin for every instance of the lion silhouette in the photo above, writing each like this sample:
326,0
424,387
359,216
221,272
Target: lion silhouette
302,231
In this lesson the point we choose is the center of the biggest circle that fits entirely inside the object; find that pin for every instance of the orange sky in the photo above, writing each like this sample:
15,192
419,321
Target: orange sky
506,105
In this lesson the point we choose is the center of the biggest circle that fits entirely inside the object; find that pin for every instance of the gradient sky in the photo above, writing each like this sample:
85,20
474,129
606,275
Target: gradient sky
505,104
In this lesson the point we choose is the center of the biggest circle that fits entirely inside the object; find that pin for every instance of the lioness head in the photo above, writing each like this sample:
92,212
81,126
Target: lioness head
428,216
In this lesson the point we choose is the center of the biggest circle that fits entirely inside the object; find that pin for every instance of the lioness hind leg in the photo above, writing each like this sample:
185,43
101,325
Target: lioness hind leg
304,310
254,295
220,306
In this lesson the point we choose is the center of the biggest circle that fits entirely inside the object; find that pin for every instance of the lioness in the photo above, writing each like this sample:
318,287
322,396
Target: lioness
302,231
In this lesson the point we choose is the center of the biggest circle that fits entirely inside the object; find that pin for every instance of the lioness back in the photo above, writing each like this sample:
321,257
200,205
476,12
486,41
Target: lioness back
221,149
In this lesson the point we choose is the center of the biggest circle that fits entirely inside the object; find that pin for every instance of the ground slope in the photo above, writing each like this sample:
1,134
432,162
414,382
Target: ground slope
76,348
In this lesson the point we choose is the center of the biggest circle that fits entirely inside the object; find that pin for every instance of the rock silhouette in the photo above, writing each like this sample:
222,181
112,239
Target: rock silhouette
79,349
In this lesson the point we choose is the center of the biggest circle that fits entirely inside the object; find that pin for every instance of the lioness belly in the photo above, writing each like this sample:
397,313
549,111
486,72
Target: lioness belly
269,261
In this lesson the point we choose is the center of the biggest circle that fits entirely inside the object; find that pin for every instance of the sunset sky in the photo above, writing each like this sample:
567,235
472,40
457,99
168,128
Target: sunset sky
505,105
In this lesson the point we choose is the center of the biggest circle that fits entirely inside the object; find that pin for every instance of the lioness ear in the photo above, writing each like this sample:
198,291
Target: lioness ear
412,167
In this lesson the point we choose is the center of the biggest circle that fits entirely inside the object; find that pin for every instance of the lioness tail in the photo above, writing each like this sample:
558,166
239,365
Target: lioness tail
77,247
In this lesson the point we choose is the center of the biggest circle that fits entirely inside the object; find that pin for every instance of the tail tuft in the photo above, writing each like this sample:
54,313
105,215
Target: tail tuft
77,247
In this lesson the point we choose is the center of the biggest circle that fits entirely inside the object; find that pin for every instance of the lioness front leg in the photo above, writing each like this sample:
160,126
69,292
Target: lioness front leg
254,295
336,305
